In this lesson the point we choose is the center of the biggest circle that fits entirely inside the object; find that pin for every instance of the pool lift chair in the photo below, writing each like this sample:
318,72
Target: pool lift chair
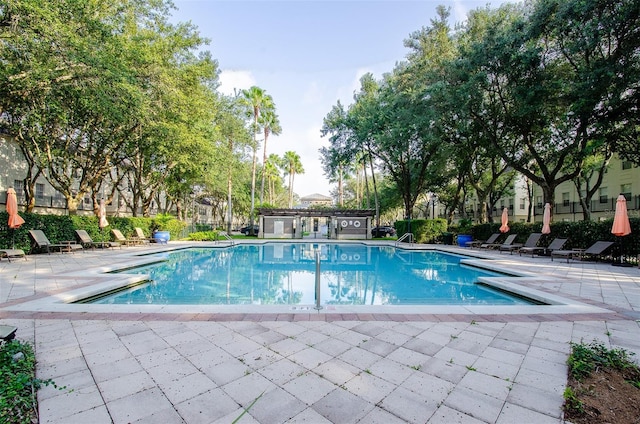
532,241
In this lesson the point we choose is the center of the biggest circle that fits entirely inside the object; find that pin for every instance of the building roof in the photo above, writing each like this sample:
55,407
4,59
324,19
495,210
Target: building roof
316,196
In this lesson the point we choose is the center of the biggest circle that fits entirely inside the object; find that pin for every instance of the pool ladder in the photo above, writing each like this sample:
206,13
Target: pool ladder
318,306
226,237
405,236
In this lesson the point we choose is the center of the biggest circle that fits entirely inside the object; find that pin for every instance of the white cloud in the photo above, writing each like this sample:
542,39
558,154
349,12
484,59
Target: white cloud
313,94
460,11
231,80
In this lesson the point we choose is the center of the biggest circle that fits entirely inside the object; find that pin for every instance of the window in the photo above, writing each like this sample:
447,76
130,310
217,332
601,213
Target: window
523,203
626,164
625,190
87,200
539,201
565,199
602,193
39,191
18,185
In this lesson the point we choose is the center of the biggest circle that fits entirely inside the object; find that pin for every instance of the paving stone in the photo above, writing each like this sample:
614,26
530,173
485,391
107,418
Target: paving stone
517,414
410,406
246,389
137,405
282,371
226,372
309,387
207,407
446,415
97,415
380,416
125,385
483,407
343,407
446,370
276,406
369,387
542,401
57,408
310,358
187,387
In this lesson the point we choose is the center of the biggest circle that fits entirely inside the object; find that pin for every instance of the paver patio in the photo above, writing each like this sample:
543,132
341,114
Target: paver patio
332,366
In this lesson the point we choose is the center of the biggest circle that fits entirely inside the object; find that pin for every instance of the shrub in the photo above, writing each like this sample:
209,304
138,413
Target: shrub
204,236
18,384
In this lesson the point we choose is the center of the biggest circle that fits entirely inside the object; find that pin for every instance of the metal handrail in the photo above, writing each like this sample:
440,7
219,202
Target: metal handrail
226,236
404,236
318,306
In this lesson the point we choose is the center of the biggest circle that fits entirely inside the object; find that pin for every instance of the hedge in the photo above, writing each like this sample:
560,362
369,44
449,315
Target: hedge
58,228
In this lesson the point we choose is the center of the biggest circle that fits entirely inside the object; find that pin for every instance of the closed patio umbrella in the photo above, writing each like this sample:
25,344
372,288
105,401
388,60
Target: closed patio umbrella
505,221
546,219
15,220
621,226
102,215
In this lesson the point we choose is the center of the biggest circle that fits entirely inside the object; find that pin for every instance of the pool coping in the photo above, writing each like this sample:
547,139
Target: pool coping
98,280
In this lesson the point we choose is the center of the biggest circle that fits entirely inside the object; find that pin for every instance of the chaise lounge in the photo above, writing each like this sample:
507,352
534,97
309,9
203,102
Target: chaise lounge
12,253
596,250
120,238
507,242
556,244
41,242
85,239
479,243
532,241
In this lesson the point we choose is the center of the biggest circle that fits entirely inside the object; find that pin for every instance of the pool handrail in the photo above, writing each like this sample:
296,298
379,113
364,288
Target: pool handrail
404,236
226,237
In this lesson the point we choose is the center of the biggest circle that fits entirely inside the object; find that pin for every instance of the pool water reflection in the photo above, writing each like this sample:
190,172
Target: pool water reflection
284,273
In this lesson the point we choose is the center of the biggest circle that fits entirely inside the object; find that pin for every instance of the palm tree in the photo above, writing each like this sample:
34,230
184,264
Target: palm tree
292,166
270,125
272,171
257,99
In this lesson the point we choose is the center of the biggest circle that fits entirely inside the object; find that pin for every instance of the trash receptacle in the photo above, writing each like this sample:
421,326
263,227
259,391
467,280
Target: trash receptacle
447,238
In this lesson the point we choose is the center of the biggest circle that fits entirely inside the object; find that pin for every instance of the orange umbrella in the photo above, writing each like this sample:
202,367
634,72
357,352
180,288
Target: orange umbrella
15,220
621,226
546,219
102,215
505,221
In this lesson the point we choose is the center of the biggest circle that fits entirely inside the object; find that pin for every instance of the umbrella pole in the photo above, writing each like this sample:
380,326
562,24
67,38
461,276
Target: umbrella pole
621,261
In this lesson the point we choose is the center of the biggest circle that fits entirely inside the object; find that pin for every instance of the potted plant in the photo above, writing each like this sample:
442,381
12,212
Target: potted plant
464,231
161,232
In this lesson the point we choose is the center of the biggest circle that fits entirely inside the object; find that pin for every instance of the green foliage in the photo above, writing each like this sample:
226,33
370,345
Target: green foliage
18,383
572,402
424,230
585,359
204,236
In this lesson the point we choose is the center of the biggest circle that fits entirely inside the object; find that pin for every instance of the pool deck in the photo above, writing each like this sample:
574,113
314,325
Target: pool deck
338,365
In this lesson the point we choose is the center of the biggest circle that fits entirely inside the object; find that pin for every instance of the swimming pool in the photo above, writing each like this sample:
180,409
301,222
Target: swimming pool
284,274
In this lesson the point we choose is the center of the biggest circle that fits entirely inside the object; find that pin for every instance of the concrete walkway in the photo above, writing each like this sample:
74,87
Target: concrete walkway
334,366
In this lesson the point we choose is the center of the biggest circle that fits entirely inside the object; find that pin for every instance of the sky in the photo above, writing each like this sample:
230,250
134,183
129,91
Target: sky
308,54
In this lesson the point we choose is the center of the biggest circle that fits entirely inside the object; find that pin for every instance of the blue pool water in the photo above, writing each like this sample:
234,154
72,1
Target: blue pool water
284,274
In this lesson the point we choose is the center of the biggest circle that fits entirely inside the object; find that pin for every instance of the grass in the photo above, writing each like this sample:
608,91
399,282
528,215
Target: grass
18,383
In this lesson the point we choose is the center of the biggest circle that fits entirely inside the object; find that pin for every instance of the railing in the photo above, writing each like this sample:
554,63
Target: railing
405,236
226,236
318,306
